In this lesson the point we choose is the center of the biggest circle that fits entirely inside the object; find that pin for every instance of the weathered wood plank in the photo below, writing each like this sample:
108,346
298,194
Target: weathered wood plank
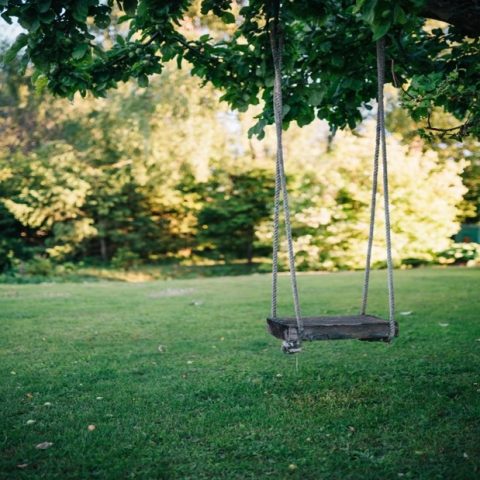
361,327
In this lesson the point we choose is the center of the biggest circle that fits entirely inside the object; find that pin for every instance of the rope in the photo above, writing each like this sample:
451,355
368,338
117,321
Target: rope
281,184
380,142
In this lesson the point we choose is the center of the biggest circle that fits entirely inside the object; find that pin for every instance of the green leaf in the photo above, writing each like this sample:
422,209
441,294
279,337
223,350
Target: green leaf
228,17
79,51
130,6
44,5
102,21
47,17
11,53
399,16
379,30
315,97
358,6
6,18
369,10
179,60
40,84
269,81
337,61
142,81
80,10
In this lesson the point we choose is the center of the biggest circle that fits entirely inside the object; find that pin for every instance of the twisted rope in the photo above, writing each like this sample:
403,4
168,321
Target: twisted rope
276,43
380,142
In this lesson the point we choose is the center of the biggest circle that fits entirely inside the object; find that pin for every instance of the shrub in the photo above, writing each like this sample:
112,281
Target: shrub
125,259
39,266
460,254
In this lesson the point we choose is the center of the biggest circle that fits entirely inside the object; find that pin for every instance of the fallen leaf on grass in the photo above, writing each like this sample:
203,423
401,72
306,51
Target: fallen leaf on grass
161,348
30,422
443,324
44,445
91,428
405,313
22,465
47,404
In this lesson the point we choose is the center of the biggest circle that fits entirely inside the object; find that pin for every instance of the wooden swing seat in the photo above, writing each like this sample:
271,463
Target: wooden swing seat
361,327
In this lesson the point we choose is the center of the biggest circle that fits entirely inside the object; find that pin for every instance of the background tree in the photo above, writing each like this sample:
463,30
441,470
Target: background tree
332,203
447,149
234,206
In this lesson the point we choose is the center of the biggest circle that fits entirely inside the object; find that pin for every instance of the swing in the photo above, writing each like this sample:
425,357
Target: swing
294,330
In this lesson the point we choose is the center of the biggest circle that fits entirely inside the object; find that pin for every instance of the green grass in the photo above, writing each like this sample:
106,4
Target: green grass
222,401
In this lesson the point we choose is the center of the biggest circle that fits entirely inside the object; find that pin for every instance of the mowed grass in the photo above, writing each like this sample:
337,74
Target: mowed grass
220,401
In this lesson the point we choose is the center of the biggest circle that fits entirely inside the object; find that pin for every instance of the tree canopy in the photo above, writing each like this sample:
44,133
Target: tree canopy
92,45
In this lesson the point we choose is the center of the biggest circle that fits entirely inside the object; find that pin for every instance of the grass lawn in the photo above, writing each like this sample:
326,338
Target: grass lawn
220,401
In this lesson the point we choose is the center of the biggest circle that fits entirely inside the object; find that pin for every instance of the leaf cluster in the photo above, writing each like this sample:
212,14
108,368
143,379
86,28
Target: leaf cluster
329,53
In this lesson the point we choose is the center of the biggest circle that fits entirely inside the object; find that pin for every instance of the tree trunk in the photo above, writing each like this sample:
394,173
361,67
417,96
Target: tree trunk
103,249
251,239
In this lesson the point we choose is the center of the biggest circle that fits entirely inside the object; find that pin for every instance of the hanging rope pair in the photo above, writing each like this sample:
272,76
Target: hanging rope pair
363,326
291,345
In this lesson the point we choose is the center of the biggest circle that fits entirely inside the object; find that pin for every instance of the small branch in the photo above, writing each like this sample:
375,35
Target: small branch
194,50
396,83
446,130
151,39
460,128
394,76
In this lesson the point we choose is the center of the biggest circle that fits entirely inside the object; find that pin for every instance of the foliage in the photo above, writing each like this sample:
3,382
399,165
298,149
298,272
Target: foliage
332,200
232,210
150,175
329,57
125,258
118,178
39,266
460,254
49,200
11,242
447,148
